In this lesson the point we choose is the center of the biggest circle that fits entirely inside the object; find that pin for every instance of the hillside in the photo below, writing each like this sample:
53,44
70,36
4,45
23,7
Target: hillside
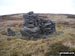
61,40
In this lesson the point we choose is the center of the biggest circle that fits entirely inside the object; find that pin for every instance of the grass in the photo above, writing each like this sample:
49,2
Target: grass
62,40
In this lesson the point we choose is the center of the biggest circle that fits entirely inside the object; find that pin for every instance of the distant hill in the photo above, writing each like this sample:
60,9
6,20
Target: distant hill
46,15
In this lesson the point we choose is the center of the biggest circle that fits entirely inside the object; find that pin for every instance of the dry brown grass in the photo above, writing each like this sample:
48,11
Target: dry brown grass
62,40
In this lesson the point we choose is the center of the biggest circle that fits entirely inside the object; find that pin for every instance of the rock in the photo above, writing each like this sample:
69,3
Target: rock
35,25
47,27
10,32
30,18
30,27
31,32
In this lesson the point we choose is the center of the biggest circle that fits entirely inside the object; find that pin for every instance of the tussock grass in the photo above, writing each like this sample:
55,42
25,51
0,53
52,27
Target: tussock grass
62,40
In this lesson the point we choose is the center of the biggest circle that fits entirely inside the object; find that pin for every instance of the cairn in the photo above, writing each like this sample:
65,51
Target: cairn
35,25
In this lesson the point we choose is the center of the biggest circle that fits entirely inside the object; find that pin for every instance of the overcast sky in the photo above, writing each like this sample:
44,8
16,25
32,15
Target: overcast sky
38,6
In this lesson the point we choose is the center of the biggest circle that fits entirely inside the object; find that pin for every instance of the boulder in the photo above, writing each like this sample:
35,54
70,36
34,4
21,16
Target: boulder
10,32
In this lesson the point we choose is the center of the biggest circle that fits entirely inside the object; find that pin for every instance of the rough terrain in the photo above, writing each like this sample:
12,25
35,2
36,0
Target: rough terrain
62,40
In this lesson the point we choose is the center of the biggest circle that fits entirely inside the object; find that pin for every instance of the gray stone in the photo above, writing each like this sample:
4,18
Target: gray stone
47,26
30,32
10,32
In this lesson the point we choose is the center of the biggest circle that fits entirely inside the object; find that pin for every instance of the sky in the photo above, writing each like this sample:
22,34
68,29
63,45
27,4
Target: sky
38,6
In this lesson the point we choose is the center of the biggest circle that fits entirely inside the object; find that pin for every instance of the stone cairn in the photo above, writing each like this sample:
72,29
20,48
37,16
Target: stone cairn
35,25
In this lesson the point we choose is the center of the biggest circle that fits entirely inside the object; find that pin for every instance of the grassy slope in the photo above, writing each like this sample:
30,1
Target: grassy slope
63,40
